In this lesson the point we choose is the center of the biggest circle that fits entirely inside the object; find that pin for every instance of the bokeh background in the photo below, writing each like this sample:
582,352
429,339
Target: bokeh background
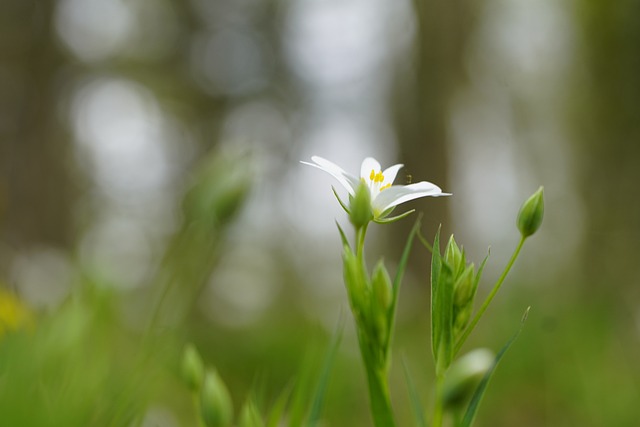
110,108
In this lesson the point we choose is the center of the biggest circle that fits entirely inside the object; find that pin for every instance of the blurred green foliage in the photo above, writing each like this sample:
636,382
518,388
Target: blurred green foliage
105,355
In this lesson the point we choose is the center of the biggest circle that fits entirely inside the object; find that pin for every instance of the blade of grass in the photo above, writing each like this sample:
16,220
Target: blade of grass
414,397
474,404
275,414
323,381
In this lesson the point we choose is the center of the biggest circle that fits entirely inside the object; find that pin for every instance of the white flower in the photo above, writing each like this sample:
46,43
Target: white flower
384,195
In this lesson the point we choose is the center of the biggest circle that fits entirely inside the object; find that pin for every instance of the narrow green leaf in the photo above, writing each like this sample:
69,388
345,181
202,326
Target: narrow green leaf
275,414
323,381
444,313
436,265
474,404
335,193
414,397
343,236
301,392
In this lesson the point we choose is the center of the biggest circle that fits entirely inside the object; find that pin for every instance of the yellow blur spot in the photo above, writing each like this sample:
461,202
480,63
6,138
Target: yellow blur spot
13,314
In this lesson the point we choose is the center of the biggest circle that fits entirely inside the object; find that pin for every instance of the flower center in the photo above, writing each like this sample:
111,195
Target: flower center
376,179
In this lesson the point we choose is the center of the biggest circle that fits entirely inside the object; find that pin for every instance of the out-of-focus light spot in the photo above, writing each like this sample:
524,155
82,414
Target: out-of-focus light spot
117,252
94,29
529,37
120,131
337,42
230,62
43,277
241,288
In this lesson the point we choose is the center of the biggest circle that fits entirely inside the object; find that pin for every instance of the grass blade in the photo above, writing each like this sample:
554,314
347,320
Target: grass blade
414,397
472,409
323,381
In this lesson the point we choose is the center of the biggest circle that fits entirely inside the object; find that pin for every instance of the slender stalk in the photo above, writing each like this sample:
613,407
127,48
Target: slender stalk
376,369
438,410
487,301
379,396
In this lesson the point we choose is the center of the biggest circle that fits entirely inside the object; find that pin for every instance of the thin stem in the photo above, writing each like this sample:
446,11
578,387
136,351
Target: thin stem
376,369
379,396
492,294
438,410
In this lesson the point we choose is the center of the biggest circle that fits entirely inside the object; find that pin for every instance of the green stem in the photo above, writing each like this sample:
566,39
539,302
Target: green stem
492,294
376,369
379,396
438,410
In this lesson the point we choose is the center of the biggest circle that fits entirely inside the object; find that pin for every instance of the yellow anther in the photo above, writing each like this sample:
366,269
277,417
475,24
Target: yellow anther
379,177
384,187
372,175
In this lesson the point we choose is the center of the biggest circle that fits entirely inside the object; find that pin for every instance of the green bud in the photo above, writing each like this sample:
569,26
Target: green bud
464,375
250,416
355,280
382,298
360,207
464,288
221,185
531,214
453,256
216,408
382,288
192,368
461,317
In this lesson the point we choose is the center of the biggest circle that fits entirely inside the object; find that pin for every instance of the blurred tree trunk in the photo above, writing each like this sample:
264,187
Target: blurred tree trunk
35,185
422,105
608,137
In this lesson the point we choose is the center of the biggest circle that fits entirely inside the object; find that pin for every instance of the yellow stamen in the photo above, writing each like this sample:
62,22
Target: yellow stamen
379,177
384,187
372,175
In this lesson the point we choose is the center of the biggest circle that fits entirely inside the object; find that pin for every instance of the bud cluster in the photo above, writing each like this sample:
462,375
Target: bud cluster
371,300
465,283
213,398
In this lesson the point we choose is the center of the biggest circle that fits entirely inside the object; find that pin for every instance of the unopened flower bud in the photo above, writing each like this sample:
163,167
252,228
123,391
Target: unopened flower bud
453,256
382,298
360,207
381,283
355,281
531,214
216,408
192,368
464,375
464,287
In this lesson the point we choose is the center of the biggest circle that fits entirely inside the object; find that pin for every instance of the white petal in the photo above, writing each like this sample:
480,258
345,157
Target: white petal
390,174
398,194
348,181
369,164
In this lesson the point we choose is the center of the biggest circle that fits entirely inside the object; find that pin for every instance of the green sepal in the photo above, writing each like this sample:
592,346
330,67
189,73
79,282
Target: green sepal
343,236
393,218
344,206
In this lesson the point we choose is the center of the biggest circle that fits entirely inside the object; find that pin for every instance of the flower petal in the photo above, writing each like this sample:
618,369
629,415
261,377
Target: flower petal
348,181
390,174
398,194
369,164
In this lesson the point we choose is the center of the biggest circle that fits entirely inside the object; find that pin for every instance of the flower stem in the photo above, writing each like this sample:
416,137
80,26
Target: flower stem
487,301
374,359
379,397
438,410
